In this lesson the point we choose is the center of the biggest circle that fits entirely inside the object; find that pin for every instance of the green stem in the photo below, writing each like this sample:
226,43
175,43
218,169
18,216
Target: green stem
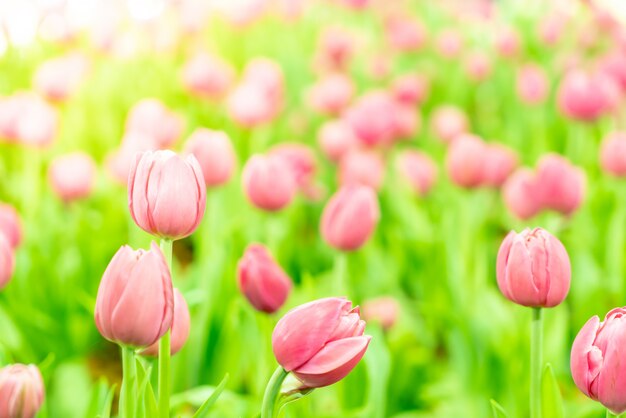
272,391
341,274
610,414
164,348
536,344
128,382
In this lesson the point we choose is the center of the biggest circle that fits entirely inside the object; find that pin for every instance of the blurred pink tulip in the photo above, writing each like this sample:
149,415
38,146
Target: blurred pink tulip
613,154
268,182
57,79
37,123
263,282
336,138
356,4
267,75
406,122
383,310
532,84
119,163
350,216
507,42
7,263
72,176
372,118
301,160
207,76
320,342
466,160
596,360
166,194
614,64
519,193
249,105
478,66
22,391
335,48
152,118
533,268
10,224
448,122
418,169
362,167
135,302
215,154
331,94
181,322
560,185
410,89
551,28
500,162
584,96
449,43
405,34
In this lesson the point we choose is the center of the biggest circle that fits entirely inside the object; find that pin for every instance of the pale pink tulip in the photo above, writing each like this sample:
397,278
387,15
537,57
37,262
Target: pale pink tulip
519,193
560,185
268,182
507,42
614,64
22,391
500,161
372,118
406,122
10,224
207,76
249,105
301,160
152,118
181,323
362,167
336,139
331,94
466,160
405,34
119,163
478,66
449,43
382,310
335,48
613,154
447,122
410,89
418,169
267,75
7,262
37,123
215,154
584,96
532,84
72,176
58,78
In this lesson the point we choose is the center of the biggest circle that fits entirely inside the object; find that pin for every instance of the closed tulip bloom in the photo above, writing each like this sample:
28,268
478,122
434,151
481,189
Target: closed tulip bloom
449,43
320,342
336,138
410,89
560,185
135,302
405,34
37,124
335,48
500,162
267,75
406,122
613,154
22,391
466,160
362,167
215,154
372,118
10,224
152,118
72,176
419,170
331,94
181,322
166,194
350,217
268,182
383,310
551,27
507,42
448,122
250,106
520,194
207,76
478,66
532,84
57,79
262,281
300,159
533,268
583,95
614,64
7,261
597,362
119,162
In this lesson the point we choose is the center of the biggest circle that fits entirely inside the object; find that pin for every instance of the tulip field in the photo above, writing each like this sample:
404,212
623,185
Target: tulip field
312,208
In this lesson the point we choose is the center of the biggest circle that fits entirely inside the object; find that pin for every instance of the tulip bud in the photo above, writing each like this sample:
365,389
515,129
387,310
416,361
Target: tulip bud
180,327
350,217
532,84
507,42
21,391
560,185
10,224
336,138
215,154
520,194
153,119
335,49
613,154
465,161
419,170
584,96
166,194
268,182
207,76
405,34
372,118
72,176
362,167
449,43
448,122
37,123
597,362
7,261
320,342
478,66
249,105
57,79
500,161
300,160
332,94
262,280
533,268
135,300
384,310
406,122
614,65
410,89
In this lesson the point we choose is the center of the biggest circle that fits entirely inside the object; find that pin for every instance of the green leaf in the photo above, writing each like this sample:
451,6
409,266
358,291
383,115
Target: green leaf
552,402
204,408
105,410
498,411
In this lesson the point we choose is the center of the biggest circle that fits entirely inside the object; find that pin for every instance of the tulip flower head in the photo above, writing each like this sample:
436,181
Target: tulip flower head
207,76
181,322
520,196
383,310
331,94
21,391
465,161
10,224
372,118
419,170
320,342
613,154
533,269
72,176
269,182
532,84
336,138
7,261
215,154
560,185
448,122
362,167
152,118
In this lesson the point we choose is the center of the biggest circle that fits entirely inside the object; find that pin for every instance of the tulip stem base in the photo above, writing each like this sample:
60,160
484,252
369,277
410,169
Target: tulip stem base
164,348
268,409
127,407
341,274
610,414
536,345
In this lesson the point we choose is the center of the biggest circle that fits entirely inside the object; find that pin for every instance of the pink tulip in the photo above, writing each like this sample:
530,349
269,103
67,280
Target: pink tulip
533,268
379,66
406,122
181,322
410,89
11,109
207,76
332,94
335,48
250,106
560,185
72,176
597,362
268,182
614,64
383,310
613,154
166,194
507,42
267,75
500,161
119,163
532,84
448,122
466,160
263,282
362,167
37,123
372,118
551,28
320,342
519,193
449,43
419,170
10,225
215,154
57,79
350,216
336,138
22,391
301,160
7,261
478,66
584,96
152,118
405,34
356,4
135,302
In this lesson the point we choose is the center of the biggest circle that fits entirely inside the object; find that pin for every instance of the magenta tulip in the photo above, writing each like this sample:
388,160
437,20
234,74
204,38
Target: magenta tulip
560,185
263,282
166,194
72,176
22,391
350,217
10,224
597,362
7,261
135,302
320,342
613,154
215,154
268,182
181,322
533,269
519,193
419,170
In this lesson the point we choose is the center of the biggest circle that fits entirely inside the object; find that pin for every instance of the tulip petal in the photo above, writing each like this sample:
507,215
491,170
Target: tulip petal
579,359
611,382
